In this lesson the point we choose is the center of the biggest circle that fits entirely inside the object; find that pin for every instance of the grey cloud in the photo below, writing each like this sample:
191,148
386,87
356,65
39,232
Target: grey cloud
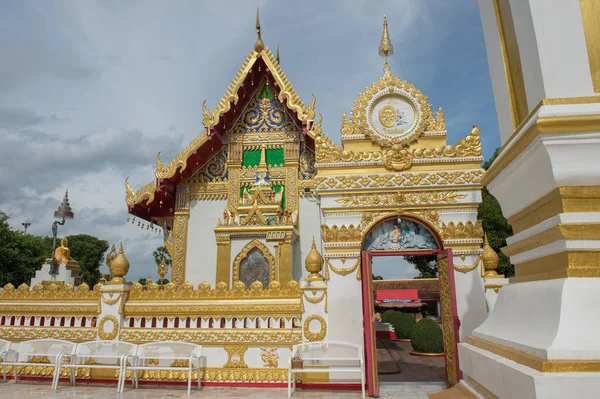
36,160
11,118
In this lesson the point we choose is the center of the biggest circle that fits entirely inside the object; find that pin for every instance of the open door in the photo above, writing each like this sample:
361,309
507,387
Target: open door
369,327
450,321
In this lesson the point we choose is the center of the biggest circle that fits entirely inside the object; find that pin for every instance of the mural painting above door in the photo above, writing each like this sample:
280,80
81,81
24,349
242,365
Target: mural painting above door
398,234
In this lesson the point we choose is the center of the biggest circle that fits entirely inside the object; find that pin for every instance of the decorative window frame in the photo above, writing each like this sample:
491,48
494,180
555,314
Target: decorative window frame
244,254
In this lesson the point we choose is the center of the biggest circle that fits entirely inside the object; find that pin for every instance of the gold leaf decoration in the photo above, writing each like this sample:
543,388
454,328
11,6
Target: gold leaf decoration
400,198
341,234
460,230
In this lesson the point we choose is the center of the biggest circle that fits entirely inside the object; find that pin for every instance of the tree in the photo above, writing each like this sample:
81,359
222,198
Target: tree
426,265
89,252
21,255
376,277
161,252
495,224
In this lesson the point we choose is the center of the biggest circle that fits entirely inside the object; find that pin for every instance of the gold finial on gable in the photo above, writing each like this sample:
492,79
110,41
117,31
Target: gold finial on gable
259,45
385,47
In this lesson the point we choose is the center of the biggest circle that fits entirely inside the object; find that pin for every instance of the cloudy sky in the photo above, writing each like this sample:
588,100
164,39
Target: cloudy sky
91,90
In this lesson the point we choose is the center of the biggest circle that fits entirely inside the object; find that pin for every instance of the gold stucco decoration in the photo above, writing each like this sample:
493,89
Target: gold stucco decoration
319,335
314,264
397,158
204,292
117,264
334,233
490,259
460,230
269,356
469,146
49,292
110,334
235,355
401,198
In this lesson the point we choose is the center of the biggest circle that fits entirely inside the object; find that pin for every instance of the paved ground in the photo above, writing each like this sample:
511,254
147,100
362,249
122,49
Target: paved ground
396,364
84,391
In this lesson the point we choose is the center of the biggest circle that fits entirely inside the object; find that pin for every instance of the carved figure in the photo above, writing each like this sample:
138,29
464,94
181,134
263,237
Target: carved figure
269,356
225,217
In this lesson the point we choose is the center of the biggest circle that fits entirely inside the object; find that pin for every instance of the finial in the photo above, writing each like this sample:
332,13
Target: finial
385,48
277,53
259,45
490,259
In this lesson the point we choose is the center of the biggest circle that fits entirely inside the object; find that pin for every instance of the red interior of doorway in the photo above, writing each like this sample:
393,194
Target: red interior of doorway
369,313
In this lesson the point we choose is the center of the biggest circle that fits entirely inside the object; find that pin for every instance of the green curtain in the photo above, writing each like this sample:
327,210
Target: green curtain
251,158
274,156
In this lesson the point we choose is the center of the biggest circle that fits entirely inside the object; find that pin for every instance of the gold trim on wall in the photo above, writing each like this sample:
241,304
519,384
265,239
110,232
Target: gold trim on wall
590,16
565,264
575,231
447,324
560,200
223,259
180,238
214,337
535,362
511,58
543,125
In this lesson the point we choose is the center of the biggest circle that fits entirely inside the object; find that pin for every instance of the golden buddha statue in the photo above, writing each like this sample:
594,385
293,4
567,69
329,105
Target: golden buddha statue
62,255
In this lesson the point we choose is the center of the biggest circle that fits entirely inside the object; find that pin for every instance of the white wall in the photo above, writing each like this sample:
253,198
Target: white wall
201,261
309,226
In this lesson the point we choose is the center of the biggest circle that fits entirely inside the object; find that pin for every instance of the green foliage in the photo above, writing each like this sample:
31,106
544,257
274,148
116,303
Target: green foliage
387,315
402,323
159,253
21,255
426,265
89,252
376,277
495,224
142,281
427,337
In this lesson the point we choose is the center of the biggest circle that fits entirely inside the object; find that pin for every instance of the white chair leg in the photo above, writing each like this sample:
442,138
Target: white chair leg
289,383
190,378
362,381
198,368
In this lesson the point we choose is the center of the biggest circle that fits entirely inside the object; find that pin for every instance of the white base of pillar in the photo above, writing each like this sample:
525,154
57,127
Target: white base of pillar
509,380
552,319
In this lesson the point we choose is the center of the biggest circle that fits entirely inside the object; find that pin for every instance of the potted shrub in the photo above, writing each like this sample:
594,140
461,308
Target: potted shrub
427,339
403,323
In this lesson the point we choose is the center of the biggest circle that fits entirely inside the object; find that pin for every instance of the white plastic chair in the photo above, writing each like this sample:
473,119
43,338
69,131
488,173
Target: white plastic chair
106,355
4,352
52,349
166,352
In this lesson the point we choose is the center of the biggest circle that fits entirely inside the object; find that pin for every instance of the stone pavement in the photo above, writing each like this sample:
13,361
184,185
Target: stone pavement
396,364
88,391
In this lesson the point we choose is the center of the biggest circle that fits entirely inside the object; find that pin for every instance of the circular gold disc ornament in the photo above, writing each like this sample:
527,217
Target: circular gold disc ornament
387,116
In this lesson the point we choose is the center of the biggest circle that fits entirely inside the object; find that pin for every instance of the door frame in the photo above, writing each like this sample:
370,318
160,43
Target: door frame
450,321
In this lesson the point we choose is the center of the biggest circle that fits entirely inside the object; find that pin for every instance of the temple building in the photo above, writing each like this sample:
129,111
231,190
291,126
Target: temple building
271,227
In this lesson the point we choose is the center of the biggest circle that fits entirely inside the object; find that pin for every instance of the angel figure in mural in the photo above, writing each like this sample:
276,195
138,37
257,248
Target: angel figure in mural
391,240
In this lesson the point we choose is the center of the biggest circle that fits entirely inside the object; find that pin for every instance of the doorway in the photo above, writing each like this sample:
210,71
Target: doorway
406,291
398,236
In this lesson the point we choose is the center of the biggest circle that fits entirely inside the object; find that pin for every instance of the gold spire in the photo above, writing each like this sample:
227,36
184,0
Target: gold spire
385,48
263,159
259,45
277,53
